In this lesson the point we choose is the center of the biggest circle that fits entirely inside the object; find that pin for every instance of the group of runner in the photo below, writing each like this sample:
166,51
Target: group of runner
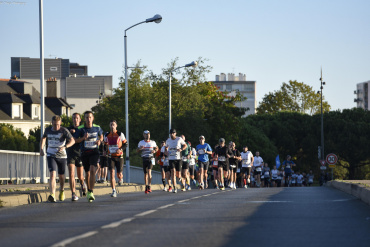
78,147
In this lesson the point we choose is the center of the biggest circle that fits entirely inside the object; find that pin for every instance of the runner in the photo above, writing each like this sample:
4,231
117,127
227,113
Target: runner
247,163
310,178
103,162
192,165
257,168
159,160
147,148
223,154
274,176
56,137
203,149
233,162
185,156
115,142
288,164
266,175
215,169
91,136
74,160
174,145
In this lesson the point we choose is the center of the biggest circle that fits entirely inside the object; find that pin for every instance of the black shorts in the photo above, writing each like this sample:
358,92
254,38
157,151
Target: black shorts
147,164
233,169
166,169
257,172
57,163
74,159
224,165
192,170
185,165
246,170
203,164
115,163
103,161
163,168
175,164
214,168
90,159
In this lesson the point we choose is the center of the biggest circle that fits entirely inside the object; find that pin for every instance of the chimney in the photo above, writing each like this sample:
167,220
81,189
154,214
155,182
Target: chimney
51,87
223,77
217,78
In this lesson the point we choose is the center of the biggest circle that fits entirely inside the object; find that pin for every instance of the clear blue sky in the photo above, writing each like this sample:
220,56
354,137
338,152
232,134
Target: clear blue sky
270,41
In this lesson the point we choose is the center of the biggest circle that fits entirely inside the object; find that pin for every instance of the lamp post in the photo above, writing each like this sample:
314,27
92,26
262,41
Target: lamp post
192,64
157,19
322,153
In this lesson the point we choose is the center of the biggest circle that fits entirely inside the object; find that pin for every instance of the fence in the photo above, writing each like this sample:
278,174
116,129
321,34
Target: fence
25,167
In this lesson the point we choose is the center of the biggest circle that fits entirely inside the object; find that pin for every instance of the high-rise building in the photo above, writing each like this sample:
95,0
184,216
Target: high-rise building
239,83
362,95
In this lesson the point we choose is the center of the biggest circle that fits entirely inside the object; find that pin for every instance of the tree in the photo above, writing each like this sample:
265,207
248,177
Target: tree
13,139
293,97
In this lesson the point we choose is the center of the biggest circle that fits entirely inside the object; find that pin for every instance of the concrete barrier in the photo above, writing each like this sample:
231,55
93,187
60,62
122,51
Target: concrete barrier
354,188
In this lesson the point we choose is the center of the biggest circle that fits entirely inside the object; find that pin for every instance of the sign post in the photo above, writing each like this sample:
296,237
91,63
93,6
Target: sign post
331,159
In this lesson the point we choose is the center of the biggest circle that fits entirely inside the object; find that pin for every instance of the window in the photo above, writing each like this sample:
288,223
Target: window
17,110
229,87
35,111
64,110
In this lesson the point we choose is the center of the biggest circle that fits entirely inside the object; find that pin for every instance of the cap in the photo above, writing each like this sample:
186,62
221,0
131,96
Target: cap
172,131
201,137
146,132
221,140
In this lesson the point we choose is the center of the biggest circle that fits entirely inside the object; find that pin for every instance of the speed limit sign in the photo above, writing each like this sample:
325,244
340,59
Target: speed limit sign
331,159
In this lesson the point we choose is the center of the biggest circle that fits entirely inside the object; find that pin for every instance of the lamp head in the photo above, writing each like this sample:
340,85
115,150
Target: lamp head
157,19
192,64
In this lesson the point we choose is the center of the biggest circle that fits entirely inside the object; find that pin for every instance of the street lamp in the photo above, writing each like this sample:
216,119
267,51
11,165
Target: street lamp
157,19
192,64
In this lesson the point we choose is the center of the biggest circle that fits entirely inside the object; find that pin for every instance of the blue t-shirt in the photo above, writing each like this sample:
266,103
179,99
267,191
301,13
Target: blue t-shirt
288,164
201,150
94,133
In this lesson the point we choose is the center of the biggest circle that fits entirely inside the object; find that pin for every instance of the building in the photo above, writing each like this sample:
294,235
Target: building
20,105
233,84
69,81
362,95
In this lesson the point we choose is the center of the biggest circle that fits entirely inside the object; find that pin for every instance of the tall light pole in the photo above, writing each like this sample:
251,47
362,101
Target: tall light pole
157,19
192,64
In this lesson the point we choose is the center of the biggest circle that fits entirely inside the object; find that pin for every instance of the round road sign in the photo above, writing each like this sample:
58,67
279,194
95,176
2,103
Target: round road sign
331,159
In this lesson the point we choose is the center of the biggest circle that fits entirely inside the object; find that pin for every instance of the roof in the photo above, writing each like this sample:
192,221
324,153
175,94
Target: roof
56,102
234,82
29,99
7,98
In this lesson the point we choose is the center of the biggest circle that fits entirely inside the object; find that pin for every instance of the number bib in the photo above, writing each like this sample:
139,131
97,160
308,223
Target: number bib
184,158
113,149
221,158
51,150
201,151
90,144
258,169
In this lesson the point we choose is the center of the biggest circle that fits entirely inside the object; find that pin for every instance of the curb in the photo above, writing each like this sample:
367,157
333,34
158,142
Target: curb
356,190
30,197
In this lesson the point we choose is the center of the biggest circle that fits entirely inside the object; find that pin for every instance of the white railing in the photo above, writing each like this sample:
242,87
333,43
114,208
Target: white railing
24,167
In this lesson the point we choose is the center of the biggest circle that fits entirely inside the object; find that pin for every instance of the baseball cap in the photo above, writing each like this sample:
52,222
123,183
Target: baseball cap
146,132
201,137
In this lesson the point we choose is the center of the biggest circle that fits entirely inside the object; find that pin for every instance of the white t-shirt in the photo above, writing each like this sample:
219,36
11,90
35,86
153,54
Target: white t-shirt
274,173
299,178
173,146
246,159
149,146
257,161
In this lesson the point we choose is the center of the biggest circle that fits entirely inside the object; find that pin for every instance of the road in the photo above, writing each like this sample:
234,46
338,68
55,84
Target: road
307,216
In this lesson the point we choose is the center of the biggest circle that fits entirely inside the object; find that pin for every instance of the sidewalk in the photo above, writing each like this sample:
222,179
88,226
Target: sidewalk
21,194
357,188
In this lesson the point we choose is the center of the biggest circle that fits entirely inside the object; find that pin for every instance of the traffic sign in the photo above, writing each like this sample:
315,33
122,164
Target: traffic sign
331,159
322,162
323,168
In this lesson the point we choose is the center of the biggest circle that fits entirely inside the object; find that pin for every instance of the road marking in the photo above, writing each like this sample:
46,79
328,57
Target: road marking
70,240
166,206
195,197
145,213
184,201
117,223
268,201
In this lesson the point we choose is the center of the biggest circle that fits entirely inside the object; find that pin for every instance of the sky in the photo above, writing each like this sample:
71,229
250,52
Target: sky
268,40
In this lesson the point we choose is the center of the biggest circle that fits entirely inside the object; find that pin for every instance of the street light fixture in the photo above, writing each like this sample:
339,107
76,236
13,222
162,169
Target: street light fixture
157,19
192,64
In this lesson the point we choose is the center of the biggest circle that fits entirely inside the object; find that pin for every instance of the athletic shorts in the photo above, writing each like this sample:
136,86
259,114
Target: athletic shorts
288,172
103,161
163,168
233,169
203,165
57,163
214,168
192,170
247,170
166,169
147,164
224,165
257,172
90,159
115,163
74,159
185,165
175,164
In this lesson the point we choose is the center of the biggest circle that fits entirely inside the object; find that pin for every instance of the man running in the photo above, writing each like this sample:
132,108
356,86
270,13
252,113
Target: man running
174,145
160,160
74,160
185,156
56,137
288,164
147,148
247,163
116,142
233,162
203,149
223,153
91,136
257,163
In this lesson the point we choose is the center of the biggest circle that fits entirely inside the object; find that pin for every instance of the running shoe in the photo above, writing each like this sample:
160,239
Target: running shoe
120,182
90,196
189,188
183,189
174,191
186,186
51,198
74,198
164,189
114,193
146,190
83,189
206,184
149,189
246,186
61,195
222,188
202,186
170,189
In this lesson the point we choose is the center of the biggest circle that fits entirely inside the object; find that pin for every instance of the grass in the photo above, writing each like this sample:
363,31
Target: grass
1,204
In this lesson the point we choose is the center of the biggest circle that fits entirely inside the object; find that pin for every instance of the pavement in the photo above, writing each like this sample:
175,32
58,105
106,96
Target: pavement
357,188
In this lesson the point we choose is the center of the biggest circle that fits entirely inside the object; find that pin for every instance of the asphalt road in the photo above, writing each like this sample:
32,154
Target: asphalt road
309,216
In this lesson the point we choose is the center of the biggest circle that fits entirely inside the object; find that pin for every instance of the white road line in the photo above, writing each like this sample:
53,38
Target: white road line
195,197
268,201
117,223
70,240
166,206
184,201
145,213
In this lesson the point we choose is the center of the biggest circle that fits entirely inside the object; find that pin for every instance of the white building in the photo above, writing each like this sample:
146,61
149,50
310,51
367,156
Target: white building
233,84
362,95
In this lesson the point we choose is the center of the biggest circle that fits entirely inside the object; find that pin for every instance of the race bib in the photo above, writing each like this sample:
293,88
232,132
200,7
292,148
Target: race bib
51,150
244,162
90,144
267,174
153,161
192,162
165,163
238,171
215,163
162,160
310,180
172,152
201,151
221,158
54,143
288,166
113,149
184,158
258,169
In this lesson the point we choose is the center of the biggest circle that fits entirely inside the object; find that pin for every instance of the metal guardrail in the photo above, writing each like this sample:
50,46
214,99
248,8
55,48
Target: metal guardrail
24,167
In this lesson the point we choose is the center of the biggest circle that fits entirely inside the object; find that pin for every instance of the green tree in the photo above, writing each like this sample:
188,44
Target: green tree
13,139
293,97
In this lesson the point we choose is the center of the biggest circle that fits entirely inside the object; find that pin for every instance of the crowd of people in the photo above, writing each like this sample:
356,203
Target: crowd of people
87,148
